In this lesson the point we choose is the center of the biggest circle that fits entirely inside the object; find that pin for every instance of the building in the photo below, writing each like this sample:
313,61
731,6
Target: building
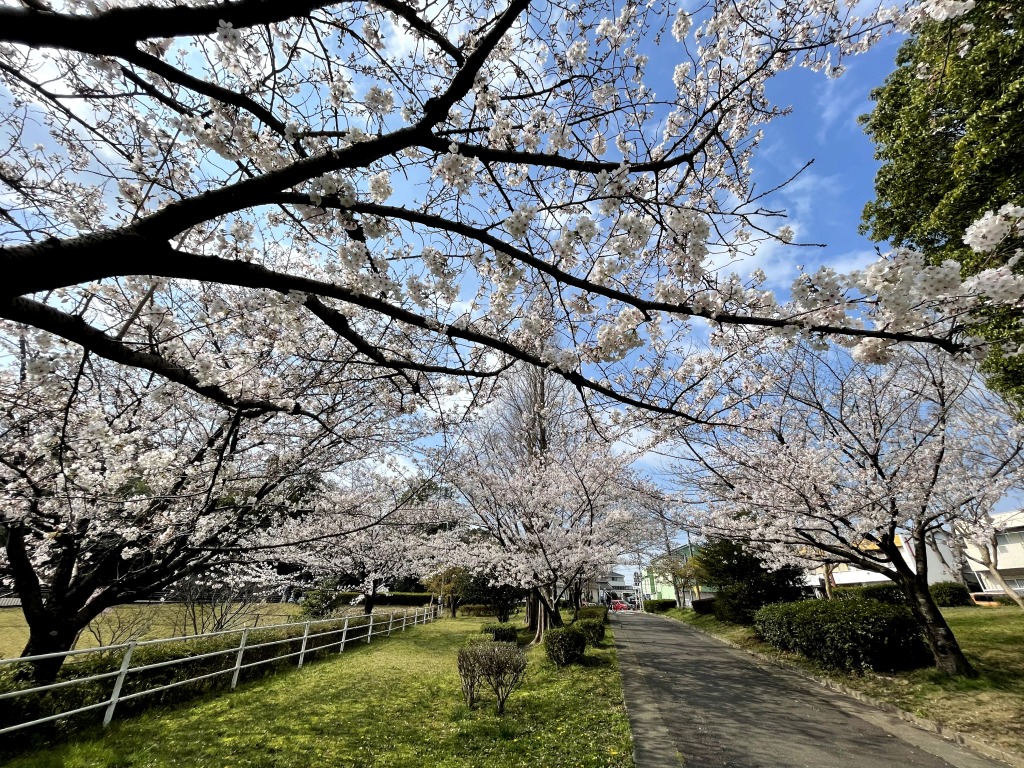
1009,556
659,586
611,584
940,567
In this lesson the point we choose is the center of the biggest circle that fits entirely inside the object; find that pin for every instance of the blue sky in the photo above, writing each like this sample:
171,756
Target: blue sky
826,201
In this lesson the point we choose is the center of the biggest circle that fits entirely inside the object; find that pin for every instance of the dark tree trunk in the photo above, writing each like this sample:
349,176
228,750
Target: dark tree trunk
50,635
949,659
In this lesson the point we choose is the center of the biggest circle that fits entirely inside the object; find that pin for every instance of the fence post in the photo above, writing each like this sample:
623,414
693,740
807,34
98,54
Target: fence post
405,617
391,623
238,658
302,650
344,634
126,660
369,630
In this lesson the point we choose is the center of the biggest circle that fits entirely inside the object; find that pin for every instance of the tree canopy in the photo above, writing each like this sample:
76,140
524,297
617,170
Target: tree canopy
948,125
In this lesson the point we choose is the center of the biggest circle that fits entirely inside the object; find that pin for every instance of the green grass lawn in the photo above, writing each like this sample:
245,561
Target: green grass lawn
990,707
398,703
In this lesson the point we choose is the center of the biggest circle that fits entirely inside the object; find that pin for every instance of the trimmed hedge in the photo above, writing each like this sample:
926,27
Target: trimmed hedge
501,633
850,635
705,606
950,594
599,612
659,606
564,645
592,629
320,604
882,592
475,609
38,705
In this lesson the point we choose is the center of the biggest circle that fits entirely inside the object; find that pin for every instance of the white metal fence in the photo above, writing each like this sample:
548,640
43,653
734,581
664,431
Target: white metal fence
316,636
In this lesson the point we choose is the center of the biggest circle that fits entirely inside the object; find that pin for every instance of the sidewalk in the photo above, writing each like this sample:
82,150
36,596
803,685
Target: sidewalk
697,702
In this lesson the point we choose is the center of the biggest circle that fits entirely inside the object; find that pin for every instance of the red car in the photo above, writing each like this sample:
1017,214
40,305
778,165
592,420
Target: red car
619,605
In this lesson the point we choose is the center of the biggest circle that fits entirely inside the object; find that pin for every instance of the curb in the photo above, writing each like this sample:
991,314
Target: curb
950,734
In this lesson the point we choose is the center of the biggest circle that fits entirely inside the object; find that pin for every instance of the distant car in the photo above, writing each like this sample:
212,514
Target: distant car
619,605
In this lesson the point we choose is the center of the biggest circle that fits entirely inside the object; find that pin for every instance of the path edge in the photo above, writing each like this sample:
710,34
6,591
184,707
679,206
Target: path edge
950,734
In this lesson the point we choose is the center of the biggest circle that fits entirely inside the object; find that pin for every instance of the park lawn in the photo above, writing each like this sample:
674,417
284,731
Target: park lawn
990,707
398,703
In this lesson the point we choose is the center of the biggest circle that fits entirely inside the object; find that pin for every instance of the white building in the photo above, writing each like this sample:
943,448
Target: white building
1009,555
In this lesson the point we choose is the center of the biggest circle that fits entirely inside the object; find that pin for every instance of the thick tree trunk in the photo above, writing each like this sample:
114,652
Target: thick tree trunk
949,659
997,577
49,636
545,614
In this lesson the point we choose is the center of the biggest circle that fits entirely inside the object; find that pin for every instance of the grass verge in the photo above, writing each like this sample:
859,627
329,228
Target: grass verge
398,703
990,707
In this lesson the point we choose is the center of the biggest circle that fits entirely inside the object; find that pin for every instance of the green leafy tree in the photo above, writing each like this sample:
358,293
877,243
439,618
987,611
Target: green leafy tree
948,126
742,582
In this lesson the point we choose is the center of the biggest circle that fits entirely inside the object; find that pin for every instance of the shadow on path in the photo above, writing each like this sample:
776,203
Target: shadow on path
697,702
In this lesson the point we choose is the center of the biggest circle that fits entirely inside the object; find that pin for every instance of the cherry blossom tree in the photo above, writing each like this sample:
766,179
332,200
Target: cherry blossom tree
116,484
396,186
843,458
544,498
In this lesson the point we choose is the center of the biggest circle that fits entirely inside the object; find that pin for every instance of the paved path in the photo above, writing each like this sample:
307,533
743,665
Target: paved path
697,702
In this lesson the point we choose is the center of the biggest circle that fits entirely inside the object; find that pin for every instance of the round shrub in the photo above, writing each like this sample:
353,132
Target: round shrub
659,606
501,633
705,606
599,612
885,592
950,594
592,629
851,635
564,645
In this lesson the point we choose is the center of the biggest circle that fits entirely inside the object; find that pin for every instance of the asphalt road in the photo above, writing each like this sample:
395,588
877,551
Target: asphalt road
696,702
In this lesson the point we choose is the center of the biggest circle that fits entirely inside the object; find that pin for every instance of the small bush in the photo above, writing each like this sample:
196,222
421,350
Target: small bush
950,594
885,592
501,633
502,666
705,606
731,605
659,606
599,612
475,609
852,635
592,629
564,645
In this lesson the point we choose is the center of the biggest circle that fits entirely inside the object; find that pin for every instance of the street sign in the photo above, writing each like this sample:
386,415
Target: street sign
636,578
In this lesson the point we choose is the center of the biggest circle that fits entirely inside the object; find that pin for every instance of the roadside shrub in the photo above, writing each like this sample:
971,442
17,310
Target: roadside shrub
501,633
851,635
950,594
599,612
475,609
592,629
705,606
885,592
564,645
659,606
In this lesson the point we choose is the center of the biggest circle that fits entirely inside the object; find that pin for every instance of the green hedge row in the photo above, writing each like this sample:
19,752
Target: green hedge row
33,706
851,635
951,594
599,612
705,606
659,606
501,633
882,592
475,609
